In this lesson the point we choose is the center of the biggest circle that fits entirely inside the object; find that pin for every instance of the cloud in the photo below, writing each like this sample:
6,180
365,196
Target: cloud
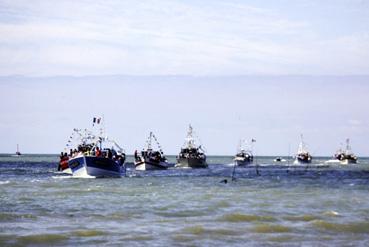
170,37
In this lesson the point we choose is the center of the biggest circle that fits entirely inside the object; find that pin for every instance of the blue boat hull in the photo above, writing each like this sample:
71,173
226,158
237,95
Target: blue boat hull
91,166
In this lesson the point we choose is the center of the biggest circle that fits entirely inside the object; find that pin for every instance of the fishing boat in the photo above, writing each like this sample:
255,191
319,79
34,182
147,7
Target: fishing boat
96,155
346,156
149,158
244,154
303,156
17,153
191,154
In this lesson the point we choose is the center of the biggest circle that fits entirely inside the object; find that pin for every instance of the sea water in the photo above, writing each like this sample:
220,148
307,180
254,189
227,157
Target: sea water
267,204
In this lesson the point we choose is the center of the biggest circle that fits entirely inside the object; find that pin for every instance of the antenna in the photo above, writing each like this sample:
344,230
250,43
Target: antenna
149,140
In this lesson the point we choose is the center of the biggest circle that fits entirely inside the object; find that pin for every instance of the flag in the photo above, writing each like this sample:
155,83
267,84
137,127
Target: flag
96,120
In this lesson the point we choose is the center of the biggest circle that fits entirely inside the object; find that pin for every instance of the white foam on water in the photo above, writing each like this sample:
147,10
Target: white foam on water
82,176
4,182
334,161
331,213
61,177
66,171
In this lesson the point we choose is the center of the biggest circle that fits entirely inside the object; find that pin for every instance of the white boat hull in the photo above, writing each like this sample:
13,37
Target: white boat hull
67,171
348,161
147,166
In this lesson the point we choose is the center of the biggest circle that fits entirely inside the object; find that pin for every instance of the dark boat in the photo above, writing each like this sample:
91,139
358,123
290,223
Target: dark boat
244,154
279,159
346,156
303,156
150,159
191,155
96,166
17,153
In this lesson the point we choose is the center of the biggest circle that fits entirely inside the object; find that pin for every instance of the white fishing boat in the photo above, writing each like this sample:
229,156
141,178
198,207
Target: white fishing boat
244,154
303,156
150,158
95,155
191,155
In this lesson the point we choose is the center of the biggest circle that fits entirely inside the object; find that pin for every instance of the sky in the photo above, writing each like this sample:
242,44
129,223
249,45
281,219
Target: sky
268,70
68,37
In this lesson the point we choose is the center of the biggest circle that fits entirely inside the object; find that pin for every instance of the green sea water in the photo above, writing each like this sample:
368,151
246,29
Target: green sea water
268,204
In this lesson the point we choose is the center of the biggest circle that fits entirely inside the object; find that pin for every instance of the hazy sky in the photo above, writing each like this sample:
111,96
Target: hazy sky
224,66
40,113
214,37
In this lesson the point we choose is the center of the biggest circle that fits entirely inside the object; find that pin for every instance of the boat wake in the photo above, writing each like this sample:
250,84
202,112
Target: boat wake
82,176
61,177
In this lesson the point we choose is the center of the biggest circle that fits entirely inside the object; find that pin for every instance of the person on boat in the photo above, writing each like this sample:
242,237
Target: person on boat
109,154
61,159
97,152
63,163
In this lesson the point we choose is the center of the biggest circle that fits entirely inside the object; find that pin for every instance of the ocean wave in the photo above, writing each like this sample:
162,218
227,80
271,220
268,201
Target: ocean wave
236,217
352,227
42,239
88,233
200,230
270,228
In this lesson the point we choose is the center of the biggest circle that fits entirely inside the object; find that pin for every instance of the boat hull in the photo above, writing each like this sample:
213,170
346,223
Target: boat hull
302,161
191,162
91,166
348,161
243,162
67,171
149,165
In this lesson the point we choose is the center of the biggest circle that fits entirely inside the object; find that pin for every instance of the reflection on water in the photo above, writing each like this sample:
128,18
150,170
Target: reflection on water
267,204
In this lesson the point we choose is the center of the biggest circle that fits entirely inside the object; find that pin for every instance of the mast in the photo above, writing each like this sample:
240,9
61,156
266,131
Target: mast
348,147
189,139
149,140
302,146
157,143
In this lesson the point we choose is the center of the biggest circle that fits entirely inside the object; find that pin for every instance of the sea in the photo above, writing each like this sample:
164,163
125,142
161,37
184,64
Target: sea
264,204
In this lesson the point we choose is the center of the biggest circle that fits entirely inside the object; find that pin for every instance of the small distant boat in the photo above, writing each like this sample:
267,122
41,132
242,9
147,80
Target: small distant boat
18,153
346,156
244,154
303,156
95,156
150,159
191,155
279,159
